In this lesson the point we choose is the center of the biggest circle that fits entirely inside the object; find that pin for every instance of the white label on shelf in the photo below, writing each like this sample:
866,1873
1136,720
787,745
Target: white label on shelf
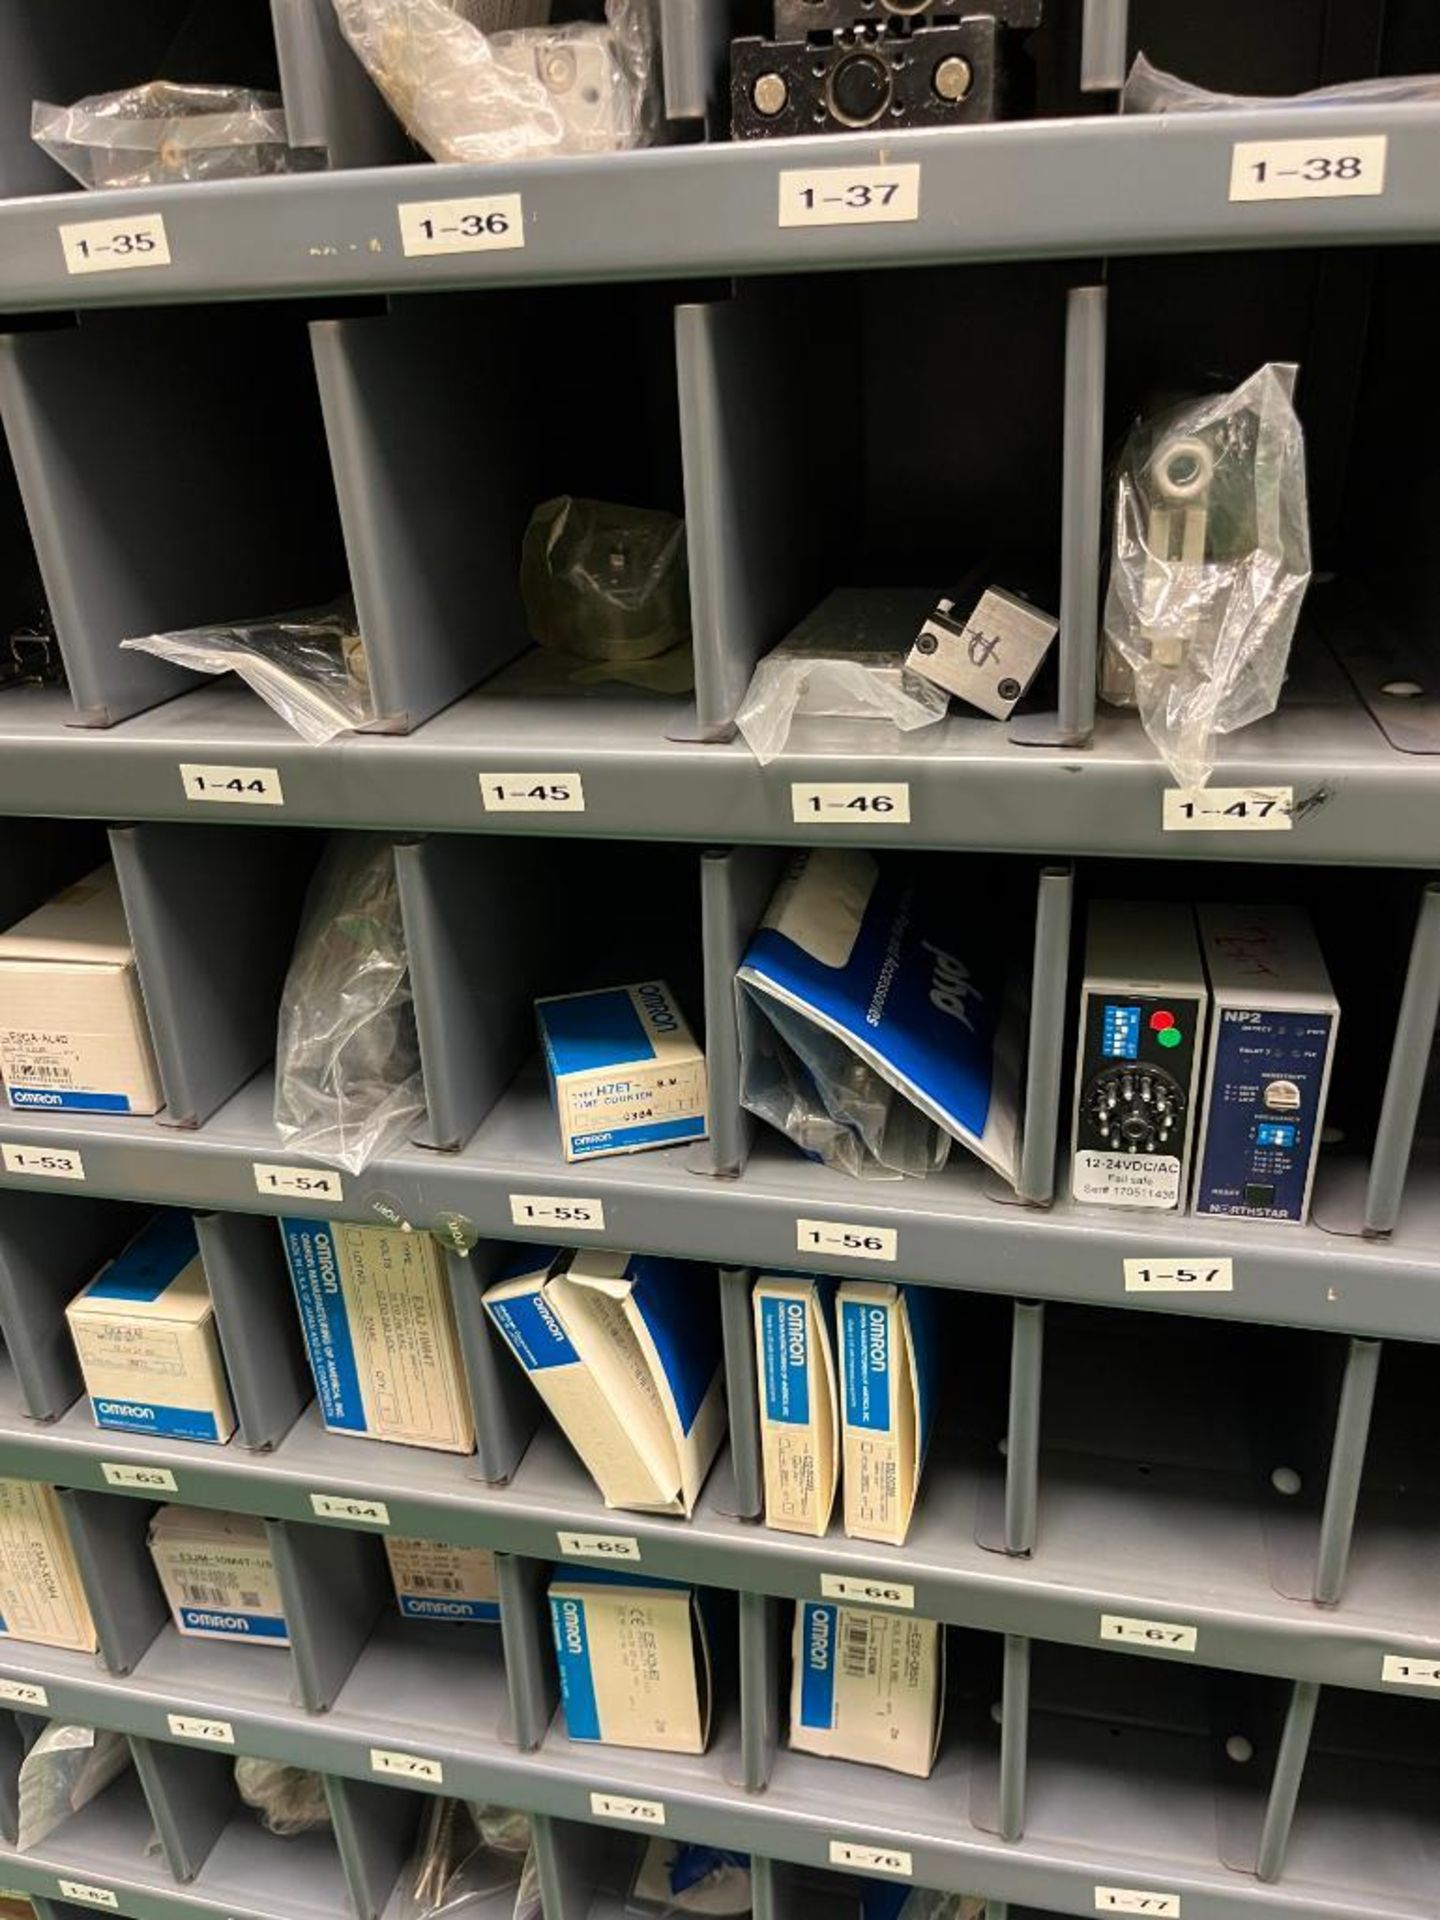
599,1546
1179,1275
620,1806
348,1506
892,1860
532,793
557,1210
849,196
192,1726
54,1163
850,803
408,1766
122,1473
87,1895
1136,1900
487,224
1227,809
1165,1636
1308,169
849,1242
869,1593
304,1183
23,1693
1399,1670
233,786
111,246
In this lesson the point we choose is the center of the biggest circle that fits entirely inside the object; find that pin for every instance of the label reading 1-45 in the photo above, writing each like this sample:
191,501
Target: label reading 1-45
849,1242
1180,1276
849,196
532,793
233,786
477,225
48,1163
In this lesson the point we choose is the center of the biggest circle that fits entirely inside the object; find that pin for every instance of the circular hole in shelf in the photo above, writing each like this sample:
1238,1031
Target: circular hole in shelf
1402,689
1002,1445
1239,1749
1143,1468
996,1712
1114,1733
1286,1480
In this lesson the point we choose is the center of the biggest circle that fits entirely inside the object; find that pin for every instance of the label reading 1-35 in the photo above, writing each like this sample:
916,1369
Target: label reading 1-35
113,245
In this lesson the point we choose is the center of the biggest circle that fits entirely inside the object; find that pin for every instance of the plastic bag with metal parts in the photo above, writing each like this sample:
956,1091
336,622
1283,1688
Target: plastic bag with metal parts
160,133
1149,89
288,1799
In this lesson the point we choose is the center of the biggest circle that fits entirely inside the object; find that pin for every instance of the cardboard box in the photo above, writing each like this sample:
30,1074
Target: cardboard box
624,1071
634,1662
799,1417
144,1330
867,1685
218,1576
379,1328
889,1339
73,1032
434,1581
625,1350
41,1598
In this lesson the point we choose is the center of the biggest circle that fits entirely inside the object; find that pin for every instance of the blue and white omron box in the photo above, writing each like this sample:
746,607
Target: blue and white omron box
625,1350
634,1660
625,1072
218,1576
799,1415
144,1331
889,1339
434,1581
867,1685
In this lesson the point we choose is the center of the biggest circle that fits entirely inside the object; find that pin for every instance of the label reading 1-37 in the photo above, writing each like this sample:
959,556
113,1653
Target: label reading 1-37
849,196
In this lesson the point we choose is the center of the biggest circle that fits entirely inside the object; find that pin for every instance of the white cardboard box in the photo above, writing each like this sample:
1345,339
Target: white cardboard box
889,1341
634,1662
41,1598
867,1685
799,1416
625,1072
625,1350
379,1328
434,1581
218,1576
144,1330
73,1032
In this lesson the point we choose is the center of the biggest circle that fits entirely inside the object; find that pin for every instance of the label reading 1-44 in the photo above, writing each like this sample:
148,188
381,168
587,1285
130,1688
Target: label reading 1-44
1164,1636
850,803
1180,1276
892,1860
49,1163
303,1183
126,1473
532,793
847,1240
557,1210
620,1806
233,786
849,196
1309,169
478,225
407,1766
1161,1906
111,246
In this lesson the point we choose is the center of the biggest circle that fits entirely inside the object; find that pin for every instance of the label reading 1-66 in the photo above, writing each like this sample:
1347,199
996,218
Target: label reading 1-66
557,1210
621,1806
489,224
110,246
126,1473
892,1860
49,1163
850,803
846,1240
1331,169
233,786
599,1546
1227,810
1399,1670
1164,1636
304,1183
867,1593
1180,1276
349,1506
407,1766
532,793
1161,1906
194,1726
849,196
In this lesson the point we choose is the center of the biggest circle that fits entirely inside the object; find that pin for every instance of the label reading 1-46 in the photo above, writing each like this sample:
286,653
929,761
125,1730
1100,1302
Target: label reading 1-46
1180,1276
849,196
477,225
532,793
850,803
304,1183
125,1473
1164,1636
892,1860
1161,1906
847,1240
110,246
557,1210
233,786
49,1163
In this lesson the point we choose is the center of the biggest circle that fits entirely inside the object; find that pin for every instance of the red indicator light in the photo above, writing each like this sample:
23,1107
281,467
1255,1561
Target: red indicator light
1161,1020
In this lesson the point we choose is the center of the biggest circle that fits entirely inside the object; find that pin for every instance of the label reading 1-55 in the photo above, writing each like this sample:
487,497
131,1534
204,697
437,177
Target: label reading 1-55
233,786
557,1210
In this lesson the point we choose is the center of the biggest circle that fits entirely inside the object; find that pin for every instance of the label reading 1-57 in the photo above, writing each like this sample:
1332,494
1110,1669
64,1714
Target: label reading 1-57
850,1242
233,786
849,196
1180,1276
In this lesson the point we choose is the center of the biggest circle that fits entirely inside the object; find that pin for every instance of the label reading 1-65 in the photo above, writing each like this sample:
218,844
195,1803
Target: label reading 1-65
477,225
109,246
557,1210
532,793
304,1183
867,1593
233,786
125,1473
892,1860
849,196
850,803
407,1766
1399,1670
1164,1636
1161,1906
599,1546
1309,169
349,1506
847,1240
620,1806
1227,810
49,1163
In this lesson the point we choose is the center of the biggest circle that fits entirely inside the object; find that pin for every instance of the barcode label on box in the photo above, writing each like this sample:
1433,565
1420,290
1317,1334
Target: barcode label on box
489,224
190,1726
300,1183
599,1546
1399,1670
620,1806
1137,1900
407,1766
348,1506
23,1693
838,1237
113,245
125,1473
867,1593
87,1895
892,1860
1227,809
47,1163
849,196
1341,169
557,1210
847,803
1165,1636
233,786
1179,1276
532,793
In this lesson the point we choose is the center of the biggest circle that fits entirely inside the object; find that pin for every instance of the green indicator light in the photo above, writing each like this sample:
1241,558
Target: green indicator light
1170,1037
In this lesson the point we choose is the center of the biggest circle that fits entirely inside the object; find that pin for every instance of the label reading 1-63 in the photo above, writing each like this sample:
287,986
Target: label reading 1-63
848,1241
1165,1636
349,1506
125,1473
233,786
849,196
484,225
407,1766
304,1183
599,1546
1309,169
51,1163
23,1693
850,803
109,246
1180,1276
557,1210
892,1860
1399,1670
532,793
1227,810
620,1806
1161,1906
193,1726
869,1593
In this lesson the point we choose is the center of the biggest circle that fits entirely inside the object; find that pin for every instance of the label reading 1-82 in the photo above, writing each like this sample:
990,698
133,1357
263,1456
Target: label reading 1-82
849,196
86,1894
48,1163
850,1242
233,786
488,224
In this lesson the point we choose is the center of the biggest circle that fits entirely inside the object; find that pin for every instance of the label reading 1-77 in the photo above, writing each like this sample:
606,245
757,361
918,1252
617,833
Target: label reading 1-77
850,803
1161,1906
849,196
488,224
850,1242
1180,1276
232,786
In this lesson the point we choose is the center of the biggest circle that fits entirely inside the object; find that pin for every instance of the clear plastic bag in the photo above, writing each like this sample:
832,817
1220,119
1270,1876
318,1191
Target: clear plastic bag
289,1800
604,582
835,665
160,133
518,91
347,1059
467,1854
64,1770
1149,89
310,667
1209,567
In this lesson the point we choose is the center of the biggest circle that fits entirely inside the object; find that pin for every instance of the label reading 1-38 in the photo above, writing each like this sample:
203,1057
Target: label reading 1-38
1348,168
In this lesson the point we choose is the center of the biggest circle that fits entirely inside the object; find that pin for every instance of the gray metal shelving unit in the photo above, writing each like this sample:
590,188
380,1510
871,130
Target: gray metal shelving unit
1185,1544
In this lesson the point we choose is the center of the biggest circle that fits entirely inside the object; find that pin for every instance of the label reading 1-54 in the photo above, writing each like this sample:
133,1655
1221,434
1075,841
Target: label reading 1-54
305,1183
850,803
233,786
50,1163
849,196
1180,1276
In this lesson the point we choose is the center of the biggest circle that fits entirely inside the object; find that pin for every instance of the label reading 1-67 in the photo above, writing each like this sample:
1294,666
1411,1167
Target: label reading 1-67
1161,1906
557,1210
892,1860
867,1593
233,786
1399,1670
49,1163
1164,1636
110,246
407,1766
478,225
126,1473
1180,1276
304,1183
1331,169
620,1806
1227,810
532,793
849,196
850,803
599,1546
846,1240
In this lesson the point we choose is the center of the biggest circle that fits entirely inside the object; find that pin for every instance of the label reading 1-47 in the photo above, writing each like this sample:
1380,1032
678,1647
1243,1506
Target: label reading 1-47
489,224
1227,810
849,196
49,1163
1180,1276
233,786
532,793
557,1210
303,1183
850,803
111,246
846,1240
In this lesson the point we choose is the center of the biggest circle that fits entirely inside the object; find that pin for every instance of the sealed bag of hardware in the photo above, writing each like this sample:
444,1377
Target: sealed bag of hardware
877,1024
678,1876
347,1058
160,133
1149,89
289,1800
467,1859
310,667
1209,566
889,1900
64,1770
493,82
845,661
605,583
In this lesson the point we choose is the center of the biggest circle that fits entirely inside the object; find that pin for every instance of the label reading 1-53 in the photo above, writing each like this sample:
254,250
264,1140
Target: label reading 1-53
849,196
50,1163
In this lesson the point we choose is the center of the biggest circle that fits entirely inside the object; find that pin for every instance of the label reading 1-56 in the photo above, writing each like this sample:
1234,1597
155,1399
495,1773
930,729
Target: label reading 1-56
1331,169
850,803
847,1240
1164,1636
849,196
488,224
110,246
304,1183
1180,1276
233,786
557,1210
532,793
49,1163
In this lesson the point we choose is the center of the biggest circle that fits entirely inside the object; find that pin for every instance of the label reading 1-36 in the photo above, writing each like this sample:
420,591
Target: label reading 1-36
477,225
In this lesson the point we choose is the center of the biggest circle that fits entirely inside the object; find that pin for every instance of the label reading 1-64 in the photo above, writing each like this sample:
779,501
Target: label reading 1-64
125,1473
50,1163
532,793
1161,1906
1227,810
599,1546
349,1506
304,1183
23,1693
892,1860
1164,1636
109,246
407,1766
557,1210
868,1593
849,196
233,786
193,1726
850,803
1399,1670
1309,169
478,225
848,1241
1180,1276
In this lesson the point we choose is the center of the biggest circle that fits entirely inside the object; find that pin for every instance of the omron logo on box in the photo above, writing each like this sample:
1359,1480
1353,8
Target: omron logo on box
124,1410
216,1622
34,1097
